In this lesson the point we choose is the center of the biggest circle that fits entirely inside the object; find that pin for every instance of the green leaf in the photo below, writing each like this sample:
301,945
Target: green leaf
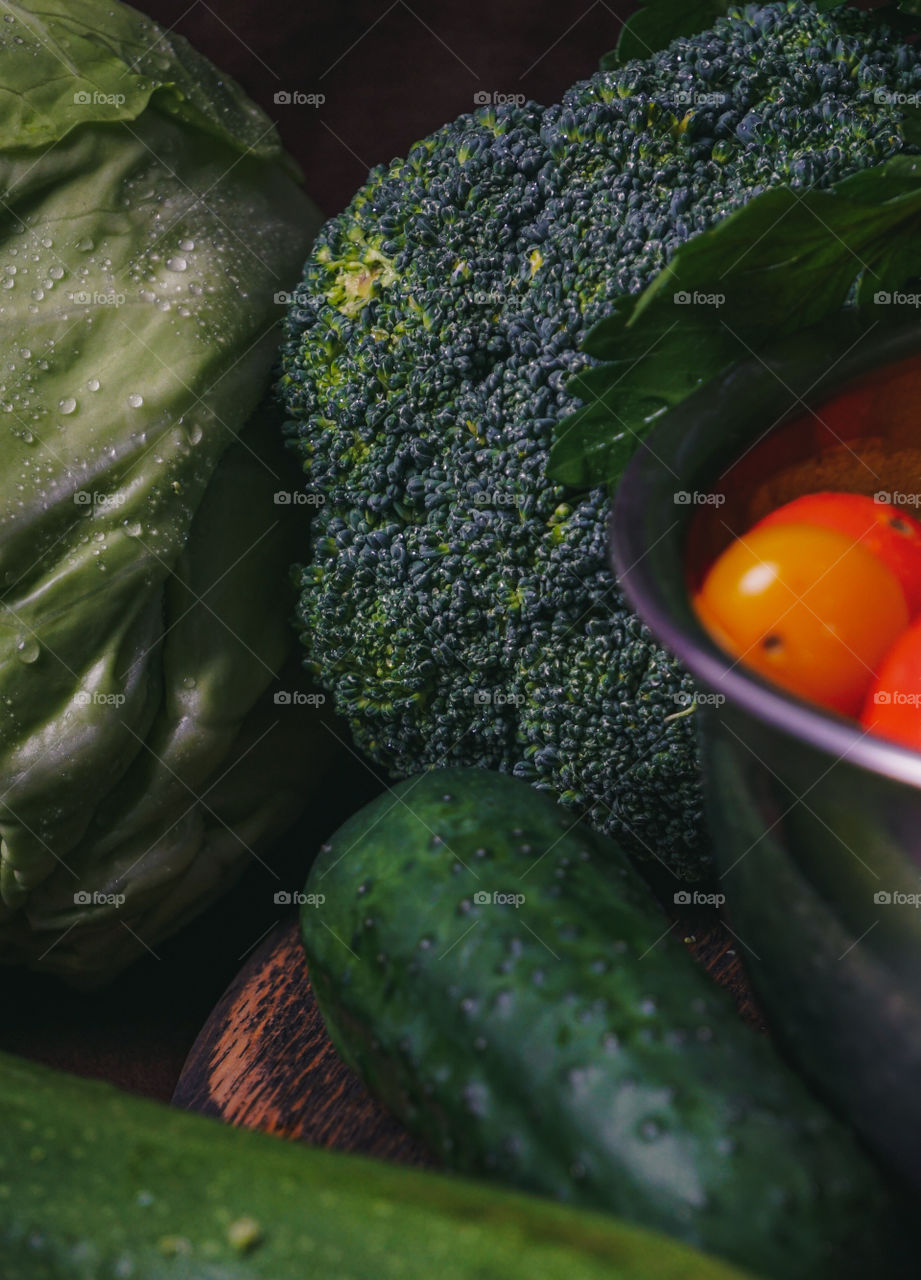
89,61
658,23
141,624
782,263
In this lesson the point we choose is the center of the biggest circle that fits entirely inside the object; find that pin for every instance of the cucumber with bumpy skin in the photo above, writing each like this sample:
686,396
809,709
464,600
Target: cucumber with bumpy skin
99,1185
504,981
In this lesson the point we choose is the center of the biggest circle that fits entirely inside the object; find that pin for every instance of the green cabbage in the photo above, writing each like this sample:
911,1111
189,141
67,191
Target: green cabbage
148,221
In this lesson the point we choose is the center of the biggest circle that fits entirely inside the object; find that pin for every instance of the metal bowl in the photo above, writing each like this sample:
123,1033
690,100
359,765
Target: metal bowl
816,826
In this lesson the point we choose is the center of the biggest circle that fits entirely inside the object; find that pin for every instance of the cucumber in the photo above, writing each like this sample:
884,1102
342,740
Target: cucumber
100,1185
556,1038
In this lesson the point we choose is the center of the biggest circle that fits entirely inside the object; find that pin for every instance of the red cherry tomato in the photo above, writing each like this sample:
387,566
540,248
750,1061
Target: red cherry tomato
807,607
887,531
893,705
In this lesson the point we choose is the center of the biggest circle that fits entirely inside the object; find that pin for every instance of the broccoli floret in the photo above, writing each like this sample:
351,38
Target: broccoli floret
458,606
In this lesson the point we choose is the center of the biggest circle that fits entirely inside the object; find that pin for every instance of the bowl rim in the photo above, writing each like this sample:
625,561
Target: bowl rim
639,539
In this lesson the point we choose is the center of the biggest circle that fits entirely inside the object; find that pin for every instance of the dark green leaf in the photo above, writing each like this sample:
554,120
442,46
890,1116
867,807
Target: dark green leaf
785,261
658,23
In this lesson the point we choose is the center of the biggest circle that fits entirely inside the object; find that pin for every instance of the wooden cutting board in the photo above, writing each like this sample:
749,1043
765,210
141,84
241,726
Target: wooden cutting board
264,1061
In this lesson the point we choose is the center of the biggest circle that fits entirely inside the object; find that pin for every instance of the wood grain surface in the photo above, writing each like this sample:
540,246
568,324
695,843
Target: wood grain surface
264,1061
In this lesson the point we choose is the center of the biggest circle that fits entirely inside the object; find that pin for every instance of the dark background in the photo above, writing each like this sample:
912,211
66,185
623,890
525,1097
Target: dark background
391,73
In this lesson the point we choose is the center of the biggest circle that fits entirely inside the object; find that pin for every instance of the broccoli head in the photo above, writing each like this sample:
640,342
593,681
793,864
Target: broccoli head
457,605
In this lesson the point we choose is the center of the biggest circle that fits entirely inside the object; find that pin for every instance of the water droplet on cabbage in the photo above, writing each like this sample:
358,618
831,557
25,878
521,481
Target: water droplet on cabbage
135,401
27,649
67,405
176,264
93,384
133,528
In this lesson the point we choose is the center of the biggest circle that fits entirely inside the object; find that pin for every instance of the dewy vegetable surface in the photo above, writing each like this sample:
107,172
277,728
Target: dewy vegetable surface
456,603
149,218
98,1185
504,981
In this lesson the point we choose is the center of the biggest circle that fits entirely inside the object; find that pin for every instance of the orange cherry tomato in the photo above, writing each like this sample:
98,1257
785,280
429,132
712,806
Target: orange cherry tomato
893,705
887,531
807,607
